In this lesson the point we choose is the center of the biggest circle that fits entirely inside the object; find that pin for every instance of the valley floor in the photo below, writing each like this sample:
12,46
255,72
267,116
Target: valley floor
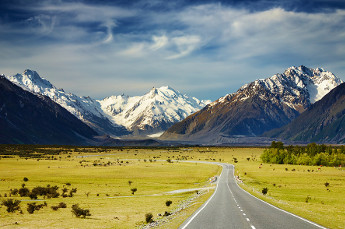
106,177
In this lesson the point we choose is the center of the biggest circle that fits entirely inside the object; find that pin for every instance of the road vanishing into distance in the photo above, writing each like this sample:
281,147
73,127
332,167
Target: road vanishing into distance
232,207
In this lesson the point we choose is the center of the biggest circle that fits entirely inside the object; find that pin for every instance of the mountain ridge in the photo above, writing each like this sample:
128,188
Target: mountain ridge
35,119
257,107
324,121
106,117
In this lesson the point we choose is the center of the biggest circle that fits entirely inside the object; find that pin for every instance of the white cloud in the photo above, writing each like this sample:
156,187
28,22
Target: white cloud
159,42
185,45
222,47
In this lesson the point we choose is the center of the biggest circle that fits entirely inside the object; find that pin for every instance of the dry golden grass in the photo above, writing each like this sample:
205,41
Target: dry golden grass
117,207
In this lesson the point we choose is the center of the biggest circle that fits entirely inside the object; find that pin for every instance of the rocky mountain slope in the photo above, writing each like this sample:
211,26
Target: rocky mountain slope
36,119
117,115
324,121
256,107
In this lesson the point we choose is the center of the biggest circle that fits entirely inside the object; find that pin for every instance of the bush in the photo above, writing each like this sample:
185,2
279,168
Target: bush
24,192
49,192
32,207
12,205
166,213
79,212
168,203
264,191
149,217
62,205
33,196
14,191
55,208
25,179
134,190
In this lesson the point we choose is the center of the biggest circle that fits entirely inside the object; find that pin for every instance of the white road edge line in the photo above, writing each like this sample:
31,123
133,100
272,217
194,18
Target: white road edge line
299,217
205,204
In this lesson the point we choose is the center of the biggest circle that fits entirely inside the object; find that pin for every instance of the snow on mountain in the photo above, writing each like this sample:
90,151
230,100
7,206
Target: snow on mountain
85,108
115,115
297,87
257,107
155,111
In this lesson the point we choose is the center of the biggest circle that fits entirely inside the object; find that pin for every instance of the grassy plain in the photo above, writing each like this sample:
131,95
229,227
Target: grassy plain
298,189
104,190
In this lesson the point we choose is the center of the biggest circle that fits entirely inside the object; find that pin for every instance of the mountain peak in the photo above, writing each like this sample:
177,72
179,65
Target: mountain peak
37,79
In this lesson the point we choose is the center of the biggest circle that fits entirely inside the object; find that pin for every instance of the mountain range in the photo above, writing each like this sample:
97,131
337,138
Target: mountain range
117,115
300,104
256,107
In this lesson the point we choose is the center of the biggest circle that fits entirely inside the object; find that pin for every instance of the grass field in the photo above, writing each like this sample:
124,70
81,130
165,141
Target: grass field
106,192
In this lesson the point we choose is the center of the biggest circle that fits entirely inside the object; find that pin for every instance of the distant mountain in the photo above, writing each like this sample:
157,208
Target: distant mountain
153,112
118,115
85,108
323,122
256,107
26,118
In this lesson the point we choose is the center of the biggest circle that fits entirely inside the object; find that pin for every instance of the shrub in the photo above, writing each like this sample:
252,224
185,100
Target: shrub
49,192
24,192
26,179
79,212
14,191
32,207
134,190
166,213
62,205
55,208
264,191
168,203
326,184
33,196
149,217
12,205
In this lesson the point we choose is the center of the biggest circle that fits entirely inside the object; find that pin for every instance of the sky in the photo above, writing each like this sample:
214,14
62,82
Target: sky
201,48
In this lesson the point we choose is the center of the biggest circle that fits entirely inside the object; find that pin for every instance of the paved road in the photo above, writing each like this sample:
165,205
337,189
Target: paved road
232,207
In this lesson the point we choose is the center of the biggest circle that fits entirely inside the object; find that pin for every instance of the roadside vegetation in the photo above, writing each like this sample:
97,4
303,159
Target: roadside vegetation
312,154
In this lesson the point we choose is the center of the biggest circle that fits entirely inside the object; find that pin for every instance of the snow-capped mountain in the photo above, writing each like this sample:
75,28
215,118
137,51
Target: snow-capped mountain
85,108
258,106
117,115
153,112
322,122
28,118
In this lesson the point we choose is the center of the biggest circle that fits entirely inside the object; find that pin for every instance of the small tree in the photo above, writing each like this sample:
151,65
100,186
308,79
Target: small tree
134,190
130,182
26,179
168,203
148,217
326,184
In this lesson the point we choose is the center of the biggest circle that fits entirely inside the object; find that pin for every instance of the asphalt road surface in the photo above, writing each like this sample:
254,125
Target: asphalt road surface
232,207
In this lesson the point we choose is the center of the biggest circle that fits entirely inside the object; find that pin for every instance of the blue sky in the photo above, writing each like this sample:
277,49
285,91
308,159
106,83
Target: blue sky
202,48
